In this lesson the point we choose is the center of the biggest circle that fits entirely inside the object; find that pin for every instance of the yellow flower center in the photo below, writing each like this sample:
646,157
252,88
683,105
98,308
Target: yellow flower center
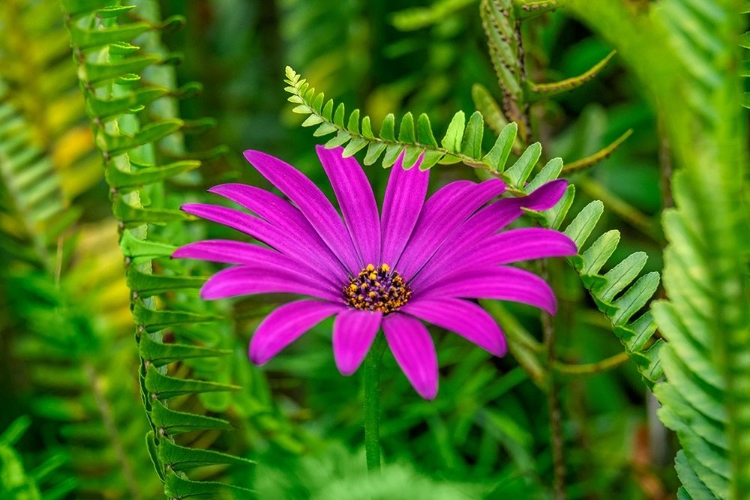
377,289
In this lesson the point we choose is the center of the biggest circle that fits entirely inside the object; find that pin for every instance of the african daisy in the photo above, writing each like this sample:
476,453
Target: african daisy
416,261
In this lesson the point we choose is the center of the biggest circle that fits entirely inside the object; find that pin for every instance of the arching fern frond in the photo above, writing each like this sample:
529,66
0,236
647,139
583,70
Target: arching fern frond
620,293
67,349
692,47
128,83
617,292
33,208
462,141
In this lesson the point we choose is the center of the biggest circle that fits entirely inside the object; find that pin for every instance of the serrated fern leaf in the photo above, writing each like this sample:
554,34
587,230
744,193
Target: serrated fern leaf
620,293
546,90
31,196
461,142
617,293
706,321
693,48
141,151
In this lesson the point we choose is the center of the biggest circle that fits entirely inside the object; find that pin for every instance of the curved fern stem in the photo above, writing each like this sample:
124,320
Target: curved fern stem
371,381
592,368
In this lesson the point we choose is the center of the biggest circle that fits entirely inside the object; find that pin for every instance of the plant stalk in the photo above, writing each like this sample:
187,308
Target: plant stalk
371,382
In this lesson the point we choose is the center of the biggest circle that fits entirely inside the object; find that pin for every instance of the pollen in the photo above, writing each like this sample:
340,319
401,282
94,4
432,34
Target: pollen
377,289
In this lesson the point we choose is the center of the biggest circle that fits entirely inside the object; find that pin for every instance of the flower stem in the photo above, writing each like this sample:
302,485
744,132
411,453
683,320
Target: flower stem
372,403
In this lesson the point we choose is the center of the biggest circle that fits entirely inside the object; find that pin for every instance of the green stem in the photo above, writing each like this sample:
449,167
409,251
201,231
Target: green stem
372,402
592,368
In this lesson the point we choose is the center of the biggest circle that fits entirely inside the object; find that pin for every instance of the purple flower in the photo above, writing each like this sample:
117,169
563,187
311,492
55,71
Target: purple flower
417,261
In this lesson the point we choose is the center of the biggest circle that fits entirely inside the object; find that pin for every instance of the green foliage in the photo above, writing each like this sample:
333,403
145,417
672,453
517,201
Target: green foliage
66,321
18,484
419,17
463,142
36,213
690,73
460,143
339,475
128,90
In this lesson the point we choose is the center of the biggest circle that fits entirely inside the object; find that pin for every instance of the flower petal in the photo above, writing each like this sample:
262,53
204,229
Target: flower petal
526,244
502,283
404,197
414,351
312,203
246,280
504,248
439,219
285,325
489,221
356,200
281,214
463,317
261,230
237,252
353,333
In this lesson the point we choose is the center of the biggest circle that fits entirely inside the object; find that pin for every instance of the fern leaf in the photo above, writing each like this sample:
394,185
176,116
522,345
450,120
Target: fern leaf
546,90
694,50
461,142
136,149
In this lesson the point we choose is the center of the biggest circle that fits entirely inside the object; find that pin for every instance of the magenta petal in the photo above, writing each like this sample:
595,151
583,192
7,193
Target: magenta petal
404,197
491,219
283,241
285,325
526,244
356,200
502,283
285,217
465,318
246,280
312,203
353,333
414,351
504,248
236,252
439,219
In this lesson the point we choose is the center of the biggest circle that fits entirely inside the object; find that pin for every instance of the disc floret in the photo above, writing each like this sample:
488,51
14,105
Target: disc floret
377,289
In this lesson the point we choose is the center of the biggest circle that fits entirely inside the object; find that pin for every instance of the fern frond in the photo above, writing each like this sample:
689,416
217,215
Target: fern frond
693,49
546,90
35,63
706,321
37,210
74,378
139,151
617,293
599,156
461,142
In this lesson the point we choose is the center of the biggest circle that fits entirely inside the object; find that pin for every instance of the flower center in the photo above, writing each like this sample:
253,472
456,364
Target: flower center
377,289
